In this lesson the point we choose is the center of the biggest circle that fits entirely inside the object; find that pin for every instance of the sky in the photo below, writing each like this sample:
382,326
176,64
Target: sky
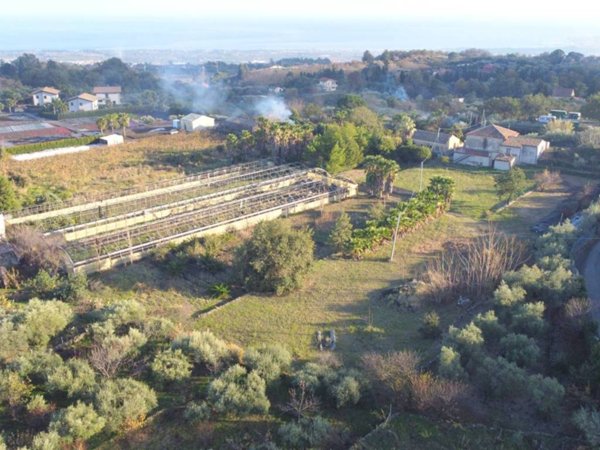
527,26
512,10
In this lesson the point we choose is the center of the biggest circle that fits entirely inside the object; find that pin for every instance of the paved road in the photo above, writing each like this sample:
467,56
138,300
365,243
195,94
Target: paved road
591,273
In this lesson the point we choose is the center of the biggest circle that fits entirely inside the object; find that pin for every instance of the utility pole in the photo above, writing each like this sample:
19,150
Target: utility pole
421,179
395,237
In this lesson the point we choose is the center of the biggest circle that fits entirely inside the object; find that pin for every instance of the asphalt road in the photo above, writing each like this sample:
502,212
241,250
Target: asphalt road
591,274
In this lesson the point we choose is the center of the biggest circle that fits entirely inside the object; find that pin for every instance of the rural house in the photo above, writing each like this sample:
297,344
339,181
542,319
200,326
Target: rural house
193,122
83,102
562,92
439,143
108,95
485,145
328,84
44,96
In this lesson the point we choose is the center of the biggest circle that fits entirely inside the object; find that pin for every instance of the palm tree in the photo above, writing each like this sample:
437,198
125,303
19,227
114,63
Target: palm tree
381,173
102,123
58,106
113,121
123,119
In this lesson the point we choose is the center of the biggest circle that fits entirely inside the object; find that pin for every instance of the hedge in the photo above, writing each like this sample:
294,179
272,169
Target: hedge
39,146
96,113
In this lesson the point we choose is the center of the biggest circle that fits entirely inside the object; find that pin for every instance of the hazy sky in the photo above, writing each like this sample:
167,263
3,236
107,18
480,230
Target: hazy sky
512,10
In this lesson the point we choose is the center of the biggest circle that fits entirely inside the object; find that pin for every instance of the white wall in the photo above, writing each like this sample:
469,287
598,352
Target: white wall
82,105
43,98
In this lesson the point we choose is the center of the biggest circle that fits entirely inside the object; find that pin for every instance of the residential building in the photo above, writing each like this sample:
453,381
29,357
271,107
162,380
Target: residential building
108,95
193,122
328,84
83,102
440,143
562,92
485,145
44,96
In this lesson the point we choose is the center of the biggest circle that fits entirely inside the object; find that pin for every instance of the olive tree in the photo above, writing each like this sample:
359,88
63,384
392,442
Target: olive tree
76,377
268,361
171,366
78,421
275,258
238,392
124,403
204,348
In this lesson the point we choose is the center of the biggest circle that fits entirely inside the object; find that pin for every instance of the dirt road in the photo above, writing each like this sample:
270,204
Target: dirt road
591,273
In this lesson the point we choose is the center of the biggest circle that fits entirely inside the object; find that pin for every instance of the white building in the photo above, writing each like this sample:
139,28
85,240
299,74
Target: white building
486,144
108,95
328,84
193,122
111,139
44,96
83,102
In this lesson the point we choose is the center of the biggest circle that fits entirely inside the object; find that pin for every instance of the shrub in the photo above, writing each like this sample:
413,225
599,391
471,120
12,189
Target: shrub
124,403
430,325
72,287
111,353
501,378
307,432
14,391
204,348
43,285
8,197
40,321
78,421
345,390
276,258
238,393
391,374
341,234
546,393
220,291
520,349
449,365
50,440
489,325
126,312
469,339
171,365
197,412
75,377
588,421
528,318
36,251
37,366
411,153
268,361
509,296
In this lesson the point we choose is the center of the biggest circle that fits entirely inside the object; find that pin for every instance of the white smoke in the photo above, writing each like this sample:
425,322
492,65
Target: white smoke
273,108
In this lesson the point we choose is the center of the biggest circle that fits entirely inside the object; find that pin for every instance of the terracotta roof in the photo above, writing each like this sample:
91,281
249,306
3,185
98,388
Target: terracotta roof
107,90
472,152
85,96
520,141
431,136
493,131
563,92
49,90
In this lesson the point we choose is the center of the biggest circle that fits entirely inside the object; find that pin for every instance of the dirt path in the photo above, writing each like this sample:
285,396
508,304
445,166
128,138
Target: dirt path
591,274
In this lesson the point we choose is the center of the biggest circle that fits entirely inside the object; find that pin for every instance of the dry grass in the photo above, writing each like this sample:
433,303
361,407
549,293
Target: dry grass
109,169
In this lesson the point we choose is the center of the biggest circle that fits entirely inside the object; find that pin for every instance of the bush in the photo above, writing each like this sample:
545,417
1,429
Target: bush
341,234
197,412
43,285
110,353
75,377
588,421
36,251
37,366
268,361
38,147
126,312
8,197
40,321
345,390
124,403
520,349
469,339
412,153
171,365
78,421
238,393
489,325
307,432
528,318
50,440
501,378
449,365
14,391
204,348
430,325
276,258
546,393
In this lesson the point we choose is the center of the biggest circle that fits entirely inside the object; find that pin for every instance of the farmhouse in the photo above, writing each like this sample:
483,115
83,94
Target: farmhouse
108,95
193,122
562,92
328,84
83,102
44,96
440,143
486,144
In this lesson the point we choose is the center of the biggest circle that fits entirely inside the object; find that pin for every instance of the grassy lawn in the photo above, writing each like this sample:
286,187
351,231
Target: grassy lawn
344,295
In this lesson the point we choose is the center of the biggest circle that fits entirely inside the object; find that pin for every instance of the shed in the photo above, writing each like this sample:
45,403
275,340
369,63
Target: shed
504,162
193,122
112,139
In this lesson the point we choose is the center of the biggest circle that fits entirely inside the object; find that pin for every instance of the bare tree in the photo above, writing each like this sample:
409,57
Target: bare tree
546,180
301,403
